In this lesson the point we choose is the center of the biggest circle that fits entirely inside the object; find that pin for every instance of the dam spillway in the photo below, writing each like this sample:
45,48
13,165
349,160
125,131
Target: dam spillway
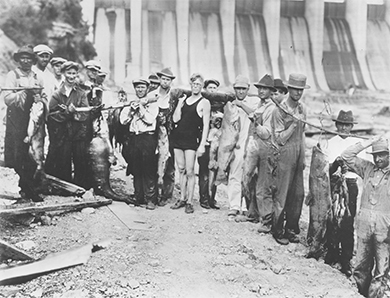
337,44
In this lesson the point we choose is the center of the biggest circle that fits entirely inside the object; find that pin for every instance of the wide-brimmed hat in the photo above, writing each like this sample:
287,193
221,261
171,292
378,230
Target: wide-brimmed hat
140,81
153,78
211,81
26,50
241,82
93,65
297,81
166,72
41,49
57,60
70,64
382,145
278,83
267,81
345,117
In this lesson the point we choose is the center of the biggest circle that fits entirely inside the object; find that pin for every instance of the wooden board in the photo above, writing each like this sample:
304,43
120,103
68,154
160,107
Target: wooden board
57,261
72,206
8,251
129,216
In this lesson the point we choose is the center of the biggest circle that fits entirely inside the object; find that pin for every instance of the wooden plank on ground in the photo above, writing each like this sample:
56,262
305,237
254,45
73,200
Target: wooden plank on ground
128,216
8,251
65,186
57,261
65,207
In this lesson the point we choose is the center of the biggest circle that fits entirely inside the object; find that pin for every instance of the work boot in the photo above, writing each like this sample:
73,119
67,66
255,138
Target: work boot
150,206
281,240
264,228
162,202
346,268
292,237
214,204
204,203
189,208
179,204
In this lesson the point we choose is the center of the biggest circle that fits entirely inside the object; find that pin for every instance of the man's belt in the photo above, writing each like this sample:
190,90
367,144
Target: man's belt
351,180
142,133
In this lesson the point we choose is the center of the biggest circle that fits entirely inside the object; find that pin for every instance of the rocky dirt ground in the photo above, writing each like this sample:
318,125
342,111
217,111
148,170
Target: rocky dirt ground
181,255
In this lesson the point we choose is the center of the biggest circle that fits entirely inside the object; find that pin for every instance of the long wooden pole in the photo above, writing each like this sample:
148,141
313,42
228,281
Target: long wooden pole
314,125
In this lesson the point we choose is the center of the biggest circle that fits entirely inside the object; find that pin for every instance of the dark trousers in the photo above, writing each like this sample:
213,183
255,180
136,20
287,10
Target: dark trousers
144,166
341,240
203,178
169,177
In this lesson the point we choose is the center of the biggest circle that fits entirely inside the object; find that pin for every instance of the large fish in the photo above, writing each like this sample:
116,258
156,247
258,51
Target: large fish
36,137
251,159
163,153
319,201
230,130
214,136
100,157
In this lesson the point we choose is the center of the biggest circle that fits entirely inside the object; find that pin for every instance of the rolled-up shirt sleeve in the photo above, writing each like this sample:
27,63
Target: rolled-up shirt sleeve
355,163
124,116
149,113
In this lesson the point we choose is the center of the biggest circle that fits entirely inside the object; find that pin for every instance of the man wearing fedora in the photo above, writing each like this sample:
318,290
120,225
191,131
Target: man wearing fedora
140,149
280,91
342,237
373,220
18,115
167,99
259,154
290,138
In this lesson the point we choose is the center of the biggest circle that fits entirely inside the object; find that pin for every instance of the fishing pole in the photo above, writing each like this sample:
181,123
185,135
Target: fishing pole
311,124
20,88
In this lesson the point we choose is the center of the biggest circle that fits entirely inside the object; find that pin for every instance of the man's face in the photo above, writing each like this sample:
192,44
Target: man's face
92,74
165,82
344,127
264,92
25,62
122,96
153,86
100,79
196,86
140,90
57,69
381,159
278,95
295,94
70,76
211,87
241,92
42,60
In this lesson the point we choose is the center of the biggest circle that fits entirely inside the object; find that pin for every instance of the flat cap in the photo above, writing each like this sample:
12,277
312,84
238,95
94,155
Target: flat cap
42,48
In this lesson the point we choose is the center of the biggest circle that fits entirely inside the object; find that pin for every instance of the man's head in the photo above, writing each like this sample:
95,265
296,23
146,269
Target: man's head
295,85
70,71
43,53
56,64
196,81
241,87
344,122
154,82
166,77
265,87
122,95
101,76
141,87
211,85
25,57
92,68
380,152
280,91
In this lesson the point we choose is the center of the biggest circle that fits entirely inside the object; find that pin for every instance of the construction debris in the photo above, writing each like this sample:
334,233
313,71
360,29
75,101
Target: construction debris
8,251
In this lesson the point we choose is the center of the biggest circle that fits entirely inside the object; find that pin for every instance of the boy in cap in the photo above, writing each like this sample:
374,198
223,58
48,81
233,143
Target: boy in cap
280,91
18,103
290,138
373,220
139,150
154,82
43,54
68,130
56,64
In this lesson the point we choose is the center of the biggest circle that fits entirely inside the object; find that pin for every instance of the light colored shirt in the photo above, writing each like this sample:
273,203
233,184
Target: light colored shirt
336,145
163,100
251,102
142,119
376,182
263,116
49,81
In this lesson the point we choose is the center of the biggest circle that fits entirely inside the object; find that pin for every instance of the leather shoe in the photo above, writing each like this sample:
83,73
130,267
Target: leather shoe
281,240
265,229
214,205
189,208
205,204
150,206
162,203
293,238
178,204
